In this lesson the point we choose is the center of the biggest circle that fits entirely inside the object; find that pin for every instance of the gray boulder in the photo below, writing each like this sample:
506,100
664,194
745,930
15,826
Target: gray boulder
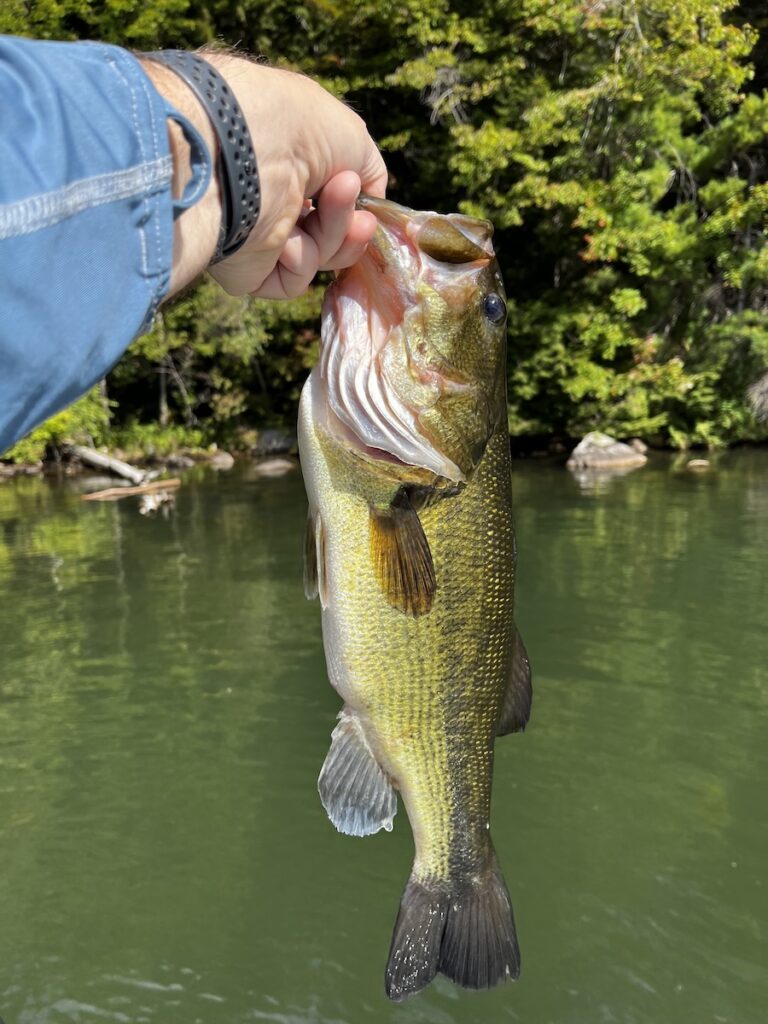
222,460
600,451
272,467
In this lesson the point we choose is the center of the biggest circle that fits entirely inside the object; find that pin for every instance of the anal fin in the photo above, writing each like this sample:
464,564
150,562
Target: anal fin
356,792
516,709
401,557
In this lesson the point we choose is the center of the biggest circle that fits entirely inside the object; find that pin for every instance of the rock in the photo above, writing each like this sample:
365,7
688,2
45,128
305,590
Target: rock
272,467
178,461
600,451
222,460
697,464
274,442
638,445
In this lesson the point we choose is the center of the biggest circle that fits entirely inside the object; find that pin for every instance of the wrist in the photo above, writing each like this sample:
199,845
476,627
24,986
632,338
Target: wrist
196,231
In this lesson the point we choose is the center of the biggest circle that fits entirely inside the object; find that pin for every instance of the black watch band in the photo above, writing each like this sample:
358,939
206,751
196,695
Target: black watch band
238,174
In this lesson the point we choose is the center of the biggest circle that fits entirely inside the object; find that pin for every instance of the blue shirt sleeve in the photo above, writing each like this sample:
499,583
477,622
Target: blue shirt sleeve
86,218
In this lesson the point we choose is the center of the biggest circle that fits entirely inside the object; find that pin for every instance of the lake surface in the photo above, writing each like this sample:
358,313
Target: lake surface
164,713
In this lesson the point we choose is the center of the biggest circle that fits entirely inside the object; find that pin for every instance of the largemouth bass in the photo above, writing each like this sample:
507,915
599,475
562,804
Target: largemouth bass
410,547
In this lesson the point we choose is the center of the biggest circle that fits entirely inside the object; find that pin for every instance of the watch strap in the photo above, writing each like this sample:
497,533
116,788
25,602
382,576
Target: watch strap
238,173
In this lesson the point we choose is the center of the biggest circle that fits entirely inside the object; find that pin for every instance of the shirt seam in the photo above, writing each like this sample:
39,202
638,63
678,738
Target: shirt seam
34,213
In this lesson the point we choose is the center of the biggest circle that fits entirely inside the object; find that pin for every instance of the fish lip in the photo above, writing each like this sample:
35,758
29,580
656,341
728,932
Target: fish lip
394,231
384,209
406,224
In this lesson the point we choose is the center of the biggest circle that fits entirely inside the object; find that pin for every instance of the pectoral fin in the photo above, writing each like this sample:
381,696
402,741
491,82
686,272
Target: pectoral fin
356,792
401,557
517,700
314,560
310,559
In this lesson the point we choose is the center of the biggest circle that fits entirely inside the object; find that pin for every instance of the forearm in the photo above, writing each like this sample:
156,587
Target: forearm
85,220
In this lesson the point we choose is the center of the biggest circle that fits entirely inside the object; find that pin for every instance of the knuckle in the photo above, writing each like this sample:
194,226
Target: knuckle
296,286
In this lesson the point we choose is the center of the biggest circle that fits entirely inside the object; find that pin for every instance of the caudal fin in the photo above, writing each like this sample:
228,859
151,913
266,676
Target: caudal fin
469,936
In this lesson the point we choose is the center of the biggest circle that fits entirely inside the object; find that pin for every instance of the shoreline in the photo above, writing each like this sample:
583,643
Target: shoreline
278,443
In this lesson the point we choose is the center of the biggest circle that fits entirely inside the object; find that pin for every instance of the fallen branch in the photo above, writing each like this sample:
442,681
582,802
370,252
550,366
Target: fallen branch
115,493
93,458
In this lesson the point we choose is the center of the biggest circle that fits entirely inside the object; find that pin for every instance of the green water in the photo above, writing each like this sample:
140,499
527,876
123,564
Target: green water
164,713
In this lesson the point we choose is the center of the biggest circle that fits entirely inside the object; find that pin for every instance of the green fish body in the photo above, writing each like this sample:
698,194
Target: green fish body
414,567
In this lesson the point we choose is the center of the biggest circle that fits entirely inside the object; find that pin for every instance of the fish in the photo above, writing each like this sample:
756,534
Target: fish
410,549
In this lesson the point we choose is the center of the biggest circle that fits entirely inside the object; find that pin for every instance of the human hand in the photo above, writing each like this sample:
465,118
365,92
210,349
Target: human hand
308,145
329,235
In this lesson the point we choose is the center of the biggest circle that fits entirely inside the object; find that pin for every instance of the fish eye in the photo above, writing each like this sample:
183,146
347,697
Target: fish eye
494,308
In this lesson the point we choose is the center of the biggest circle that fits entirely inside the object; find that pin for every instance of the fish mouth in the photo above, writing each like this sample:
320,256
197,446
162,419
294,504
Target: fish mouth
412,244
448,238
384,209
373,309
392,246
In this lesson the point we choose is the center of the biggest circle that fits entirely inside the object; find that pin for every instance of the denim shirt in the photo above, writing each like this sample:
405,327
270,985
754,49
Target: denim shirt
86,218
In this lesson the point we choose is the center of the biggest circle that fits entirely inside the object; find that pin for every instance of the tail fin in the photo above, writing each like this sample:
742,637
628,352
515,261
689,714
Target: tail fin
469,936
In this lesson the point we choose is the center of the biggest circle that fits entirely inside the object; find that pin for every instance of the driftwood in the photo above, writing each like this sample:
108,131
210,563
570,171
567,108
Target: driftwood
93,458
158,501
115,493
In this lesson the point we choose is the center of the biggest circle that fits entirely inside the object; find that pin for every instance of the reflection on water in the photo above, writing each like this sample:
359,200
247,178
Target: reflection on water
164,713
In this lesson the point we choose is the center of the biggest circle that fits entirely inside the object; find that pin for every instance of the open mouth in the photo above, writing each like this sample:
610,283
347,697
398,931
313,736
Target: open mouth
371,297
408,247
378,379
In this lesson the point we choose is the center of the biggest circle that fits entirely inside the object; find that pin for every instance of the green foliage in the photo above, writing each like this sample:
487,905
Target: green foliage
633,190
135,440
214,361
84,422
618,145
131,23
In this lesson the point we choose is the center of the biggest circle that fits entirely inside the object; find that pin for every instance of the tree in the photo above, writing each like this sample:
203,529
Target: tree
618,145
